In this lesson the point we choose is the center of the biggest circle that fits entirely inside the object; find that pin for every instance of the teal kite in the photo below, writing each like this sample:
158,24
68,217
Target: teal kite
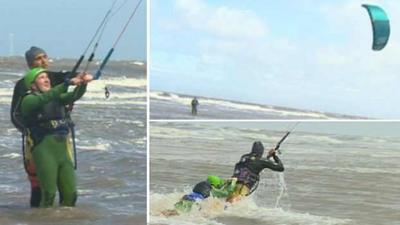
380,26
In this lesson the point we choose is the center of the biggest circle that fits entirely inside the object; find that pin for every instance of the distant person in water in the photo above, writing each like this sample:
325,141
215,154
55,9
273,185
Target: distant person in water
194,104
106,92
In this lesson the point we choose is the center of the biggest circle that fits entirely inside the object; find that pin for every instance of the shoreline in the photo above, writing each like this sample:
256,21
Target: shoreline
283,108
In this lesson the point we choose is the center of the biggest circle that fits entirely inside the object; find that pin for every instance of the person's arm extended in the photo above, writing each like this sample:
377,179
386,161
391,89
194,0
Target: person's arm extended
231,183
70,97
32,102
277,166
226,189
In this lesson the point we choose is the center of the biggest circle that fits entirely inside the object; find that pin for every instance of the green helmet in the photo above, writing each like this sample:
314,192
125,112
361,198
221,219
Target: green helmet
214,180
31,75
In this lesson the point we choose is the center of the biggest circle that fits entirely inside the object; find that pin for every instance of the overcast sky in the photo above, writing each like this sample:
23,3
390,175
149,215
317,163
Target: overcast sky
64,27
305,54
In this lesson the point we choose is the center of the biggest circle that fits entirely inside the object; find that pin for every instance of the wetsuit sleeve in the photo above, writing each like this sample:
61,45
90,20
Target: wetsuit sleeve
225,190
219,193
277,166
231,185
70,97
32,102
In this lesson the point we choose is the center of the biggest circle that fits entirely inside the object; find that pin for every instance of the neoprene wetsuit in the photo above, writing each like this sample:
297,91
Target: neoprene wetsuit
44,115
199,192
16,118
223,191
248,170
194,104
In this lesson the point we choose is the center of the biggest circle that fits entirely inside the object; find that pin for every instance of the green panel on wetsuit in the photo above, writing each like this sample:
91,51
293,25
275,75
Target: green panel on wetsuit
184,206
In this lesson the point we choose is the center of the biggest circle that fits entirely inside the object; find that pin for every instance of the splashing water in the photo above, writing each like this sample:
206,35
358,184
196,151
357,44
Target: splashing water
283,190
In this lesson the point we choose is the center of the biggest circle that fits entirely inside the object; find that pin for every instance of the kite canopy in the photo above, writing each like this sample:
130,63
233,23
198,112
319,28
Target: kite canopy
380,26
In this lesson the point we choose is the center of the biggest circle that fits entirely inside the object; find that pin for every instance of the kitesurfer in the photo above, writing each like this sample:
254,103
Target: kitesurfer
194,104
35,57
44,116
248,169
106,92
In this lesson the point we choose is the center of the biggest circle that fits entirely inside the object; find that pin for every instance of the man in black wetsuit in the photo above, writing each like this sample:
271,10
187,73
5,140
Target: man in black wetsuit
106,92
248,169
194,104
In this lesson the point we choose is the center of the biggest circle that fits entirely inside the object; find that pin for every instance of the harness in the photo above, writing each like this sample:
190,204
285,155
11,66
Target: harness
48,120
53,118
244,175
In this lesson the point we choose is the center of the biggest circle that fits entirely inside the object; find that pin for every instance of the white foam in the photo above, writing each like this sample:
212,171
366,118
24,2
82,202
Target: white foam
319,139
103,102
6,101
8,189
11,155
115,195
363,170
140,142
98,147
97,88
9,73
212,209
123,82
93,96
114,96
83,192
139,63
6,92
249,210
173,133
137,122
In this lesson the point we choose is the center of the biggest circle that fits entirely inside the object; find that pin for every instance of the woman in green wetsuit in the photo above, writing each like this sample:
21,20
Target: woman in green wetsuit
43,112
35,57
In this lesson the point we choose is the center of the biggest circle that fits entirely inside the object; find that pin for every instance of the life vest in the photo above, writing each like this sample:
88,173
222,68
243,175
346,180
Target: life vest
49,119
243,174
